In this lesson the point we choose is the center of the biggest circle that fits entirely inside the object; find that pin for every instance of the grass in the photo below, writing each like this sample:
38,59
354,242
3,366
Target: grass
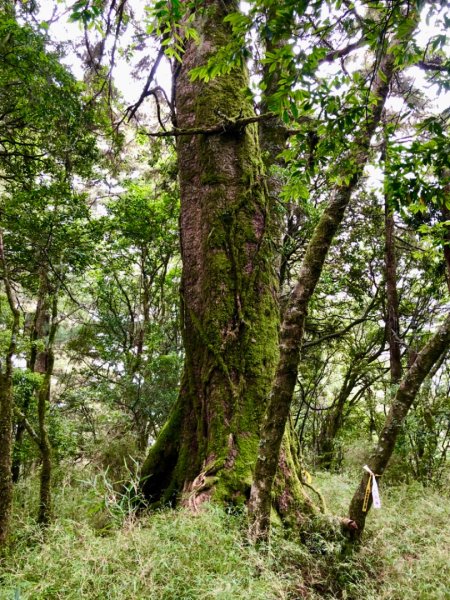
172,555
175,555
407,542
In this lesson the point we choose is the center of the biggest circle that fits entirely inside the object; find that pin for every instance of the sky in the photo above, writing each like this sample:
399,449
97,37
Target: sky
131,88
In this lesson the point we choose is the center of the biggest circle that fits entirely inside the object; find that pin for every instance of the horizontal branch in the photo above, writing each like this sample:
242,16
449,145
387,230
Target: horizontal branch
433,66
343,52
226,126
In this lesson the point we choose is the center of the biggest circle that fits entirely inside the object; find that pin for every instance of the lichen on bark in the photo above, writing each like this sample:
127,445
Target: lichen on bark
228,288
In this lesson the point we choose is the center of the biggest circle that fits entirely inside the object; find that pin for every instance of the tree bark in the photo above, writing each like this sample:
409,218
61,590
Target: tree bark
45,504
228,291
6,407
392,320
401,404
6,488
36,363
294,319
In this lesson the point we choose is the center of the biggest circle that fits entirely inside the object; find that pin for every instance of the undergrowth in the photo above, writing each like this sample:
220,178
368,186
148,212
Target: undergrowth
98,548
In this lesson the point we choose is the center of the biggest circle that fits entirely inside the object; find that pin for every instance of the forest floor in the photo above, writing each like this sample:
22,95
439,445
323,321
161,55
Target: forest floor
97,549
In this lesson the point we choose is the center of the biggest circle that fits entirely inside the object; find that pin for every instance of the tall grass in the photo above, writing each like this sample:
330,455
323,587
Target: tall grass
89,553
406,548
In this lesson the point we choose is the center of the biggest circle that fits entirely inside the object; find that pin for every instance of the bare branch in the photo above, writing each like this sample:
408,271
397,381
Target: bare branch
131,110
434,65
228,125
341,53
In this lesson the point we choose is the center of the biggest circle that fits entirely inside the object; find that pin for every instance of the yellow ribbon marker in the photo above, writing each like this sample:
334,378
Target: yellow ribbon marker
367,495
307,475
371,486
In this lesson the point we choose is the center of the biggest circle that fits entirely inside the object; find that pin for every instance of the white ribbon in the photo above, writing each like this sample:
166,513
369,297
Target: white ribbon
375,491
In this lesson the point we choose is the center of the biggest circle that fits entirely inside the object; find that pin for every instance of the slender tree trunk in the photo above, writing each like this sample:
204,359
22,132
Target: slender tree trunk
392,321
45,504
446,217
333,422
6,407
294,319
401,404
228,290
37,363
6,488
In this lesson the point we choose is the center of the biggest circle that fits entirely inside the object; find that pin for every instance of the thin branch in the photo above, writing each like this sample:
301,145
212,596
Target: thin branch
131,110
427,65
342,332
342,52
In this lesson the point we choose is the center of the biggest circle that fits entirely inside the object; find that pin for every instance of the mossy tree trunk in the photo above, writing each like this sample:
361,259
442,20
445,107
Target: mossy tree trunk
228,290
6,405
279,404
6,490
400,406
292,330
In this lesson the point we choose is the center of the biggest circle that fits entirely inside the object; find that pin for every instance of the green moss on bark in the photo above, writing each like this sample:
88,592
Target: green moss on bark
229,288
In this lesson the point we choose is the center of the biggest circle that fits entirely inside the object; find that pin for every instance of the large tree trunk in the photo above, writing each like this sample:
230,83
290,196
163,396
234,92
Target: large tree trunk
401,404
229,288
292,330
